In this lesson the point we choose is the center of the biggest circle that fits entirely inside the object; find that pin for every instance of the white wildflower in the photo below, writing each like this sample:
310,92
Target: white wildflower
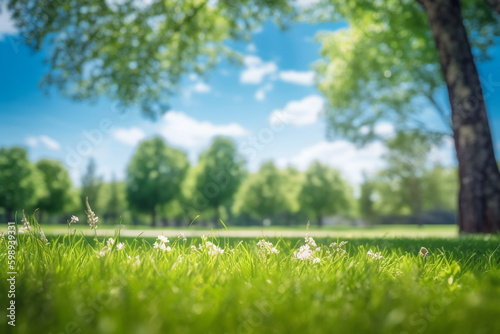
266,248
120,246
304,253
337,248
193,248
374,256
92,218
316,260
424,252
110,242
26,224
182,236
163,239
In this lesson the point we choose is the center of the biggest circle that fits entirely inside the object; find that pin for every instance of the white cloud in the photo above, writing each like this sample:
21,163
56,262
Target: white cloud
48,142
201,87
130,136
6,24
260,94
181,130
251,48
305,78
305,3
352,161
384,129
256,70
299,113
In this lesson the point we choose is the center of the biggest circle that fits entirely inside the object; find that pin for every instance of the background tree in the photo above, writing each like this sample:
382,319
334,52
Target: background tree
57,184
21,184
324,192
219,173
91,184
263,194
154,176
389,64
366,200
406,162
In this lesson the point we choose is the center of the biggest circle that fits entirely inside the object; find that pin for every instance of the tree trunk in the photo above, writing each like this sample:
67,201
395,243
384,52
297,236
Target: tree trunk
479,198
153,216
9,216
320,219
217,215
495,4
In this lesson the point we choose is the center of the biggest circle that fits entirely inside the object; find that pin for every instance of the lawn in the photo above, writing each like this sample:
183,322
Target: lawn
230,285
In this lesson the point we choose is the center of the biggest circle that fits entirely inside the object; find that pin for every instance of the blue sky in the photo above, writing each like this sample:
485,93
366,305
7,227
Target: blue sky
237,101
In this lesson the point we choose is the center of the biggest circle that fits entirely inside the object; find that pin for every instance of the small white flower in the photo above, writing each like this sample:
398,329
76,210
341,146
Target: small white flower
182,236
193,248
374,256
424,252
316,260
266,248
163,239
110,242
120,246
74,220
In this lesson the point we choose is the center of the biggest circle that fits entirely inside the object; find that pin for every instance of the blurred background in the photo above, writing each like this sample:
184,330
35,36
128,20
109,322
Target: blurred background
249,142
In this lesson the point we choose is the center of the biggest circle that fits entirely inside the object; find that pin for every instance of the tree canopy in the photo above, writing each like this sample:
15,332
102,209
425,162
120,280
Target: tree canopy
324,192
384,66
134,51
155,175
58,185
21,184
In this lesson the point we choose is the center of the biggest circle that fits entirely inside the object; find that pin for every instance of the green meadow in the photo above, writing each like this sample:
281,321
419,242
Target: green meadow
216,284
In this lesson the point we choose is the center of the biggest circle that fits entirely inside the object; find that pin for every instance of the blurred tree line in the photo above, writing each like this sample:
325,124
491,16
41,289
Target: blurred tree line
161,188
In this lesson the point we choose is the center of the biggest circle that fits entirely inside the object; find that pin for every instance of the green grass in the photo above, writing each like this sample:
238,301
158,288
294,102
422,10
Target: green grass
66,287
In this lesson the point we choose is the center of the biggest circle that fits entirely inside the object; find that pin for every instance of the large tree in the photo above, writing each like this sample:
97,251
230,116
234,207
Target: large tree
263,194
154,176
58,186
324,192
219,173
388,65
21,184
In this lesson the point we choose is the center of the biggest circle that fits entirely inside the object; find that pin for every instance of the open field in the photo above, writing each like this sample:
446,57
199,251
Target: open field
269,231
229,285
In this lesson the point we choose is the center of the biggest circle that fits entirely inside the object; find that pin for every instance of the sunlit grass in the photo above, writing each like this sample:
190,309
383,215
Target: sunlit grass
77,284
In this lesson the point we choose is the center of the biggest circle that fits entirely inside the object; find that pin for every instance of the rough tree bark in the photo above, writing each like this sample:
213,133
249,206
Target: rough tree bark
479,198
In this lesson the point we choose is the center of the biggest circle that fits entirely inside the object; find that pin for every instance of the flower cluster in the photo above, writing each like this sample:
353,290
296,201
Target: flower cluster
73,220
26,225
374,256
209,247
91,217
308,251
266,248
109,244
337,248
161,242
